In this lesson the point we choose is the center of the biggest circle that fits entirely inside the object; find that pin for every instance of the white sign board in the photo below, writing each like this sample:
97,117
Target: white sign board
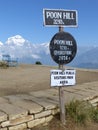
63,78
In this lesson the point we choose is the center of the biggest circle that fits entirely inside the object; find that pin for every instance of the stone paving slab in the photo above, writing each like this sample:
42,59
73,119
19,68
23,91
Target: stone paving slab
12,111
71,96
30,106
46,93
3,100
85,93
40,101
50,95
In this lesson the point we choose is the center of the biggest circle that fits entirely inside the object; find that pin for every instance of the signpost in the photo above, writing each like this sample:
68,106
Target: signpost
63,49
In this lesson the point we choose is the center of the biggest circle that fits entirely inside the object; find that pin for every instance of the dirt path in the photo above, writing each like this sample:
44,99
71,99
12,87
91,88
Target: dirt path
26,78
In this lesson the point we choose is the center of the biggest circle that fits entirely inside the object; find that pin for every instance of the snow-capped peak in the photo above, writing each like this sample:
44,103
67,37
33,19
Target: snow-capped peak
16,40
1,43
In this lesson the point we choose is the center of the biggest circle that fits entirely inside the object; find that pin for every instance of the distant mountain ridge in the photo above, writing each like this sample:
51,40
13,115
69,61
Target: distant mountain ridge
24,50
27,52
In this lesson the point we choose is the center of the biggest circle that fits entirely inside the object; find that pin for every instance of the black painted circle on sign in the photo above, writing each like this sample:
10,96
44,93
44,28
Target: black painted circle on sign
63,48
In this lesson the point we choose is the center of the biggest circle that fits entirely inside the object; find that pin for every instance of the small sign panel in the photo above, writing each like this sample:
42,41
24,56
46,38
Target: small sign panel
63,48
58,17
63,78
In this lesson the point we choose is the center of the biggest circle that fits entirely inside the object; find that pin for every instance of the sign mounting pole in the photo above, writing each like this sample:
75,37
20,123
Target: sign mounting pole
62,46
61,93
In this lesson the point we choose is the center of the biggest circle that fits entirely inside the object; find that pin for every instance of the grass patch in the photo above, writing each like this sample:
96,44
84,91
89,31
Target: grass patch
81,112
94,114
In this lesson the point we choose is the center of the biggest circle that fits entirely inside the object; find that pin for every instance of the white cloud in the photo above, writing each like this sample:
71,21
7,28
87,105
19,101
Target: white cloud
35,56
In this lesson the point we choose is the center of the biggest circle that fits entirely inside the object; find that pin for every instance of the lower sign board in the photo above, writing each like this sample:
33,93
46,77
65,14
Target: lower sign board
63,78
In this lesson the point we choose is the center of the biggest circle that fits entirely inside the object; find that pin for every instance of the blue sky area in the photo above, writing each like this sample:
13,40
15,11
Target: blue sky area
25,18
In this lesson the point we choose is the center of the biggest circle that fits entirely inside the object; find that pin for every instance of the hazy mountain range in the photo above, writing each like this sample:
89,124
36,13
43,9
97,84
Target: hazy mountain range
27,52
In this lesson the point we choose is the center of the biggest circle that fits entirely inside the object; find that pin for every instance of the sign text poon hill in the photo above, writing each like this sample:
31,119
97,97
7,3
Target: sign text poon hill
60,17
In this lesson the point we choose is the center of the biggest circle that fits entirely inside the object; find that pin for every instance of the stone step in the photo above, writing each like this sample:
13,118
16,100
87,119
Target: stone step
29,105
45,103
12,111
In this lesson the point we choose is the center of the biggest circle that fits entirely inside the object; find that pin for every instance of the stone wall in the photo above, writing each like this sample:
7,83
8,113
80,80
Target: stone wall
23,112
26,121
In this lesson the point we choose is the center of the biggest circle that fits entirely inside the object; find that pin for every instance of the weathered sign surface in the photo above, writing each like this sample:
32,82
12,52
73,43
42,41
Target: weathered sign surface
63,78
54,17
63,48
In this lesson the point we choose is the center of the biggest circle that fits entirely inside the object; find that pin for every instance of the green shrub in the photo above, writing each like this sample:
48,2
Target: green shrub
79,111
38,63
3,64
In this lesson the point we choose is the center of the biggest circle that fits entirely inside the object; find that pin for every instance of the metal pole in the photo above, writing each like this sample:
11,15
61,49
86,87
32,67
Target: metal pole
61,29
61,94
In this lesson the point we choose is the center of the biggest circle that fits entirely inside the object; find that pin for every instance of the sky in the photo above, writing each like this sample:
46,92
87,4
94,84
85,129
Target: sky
25,18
